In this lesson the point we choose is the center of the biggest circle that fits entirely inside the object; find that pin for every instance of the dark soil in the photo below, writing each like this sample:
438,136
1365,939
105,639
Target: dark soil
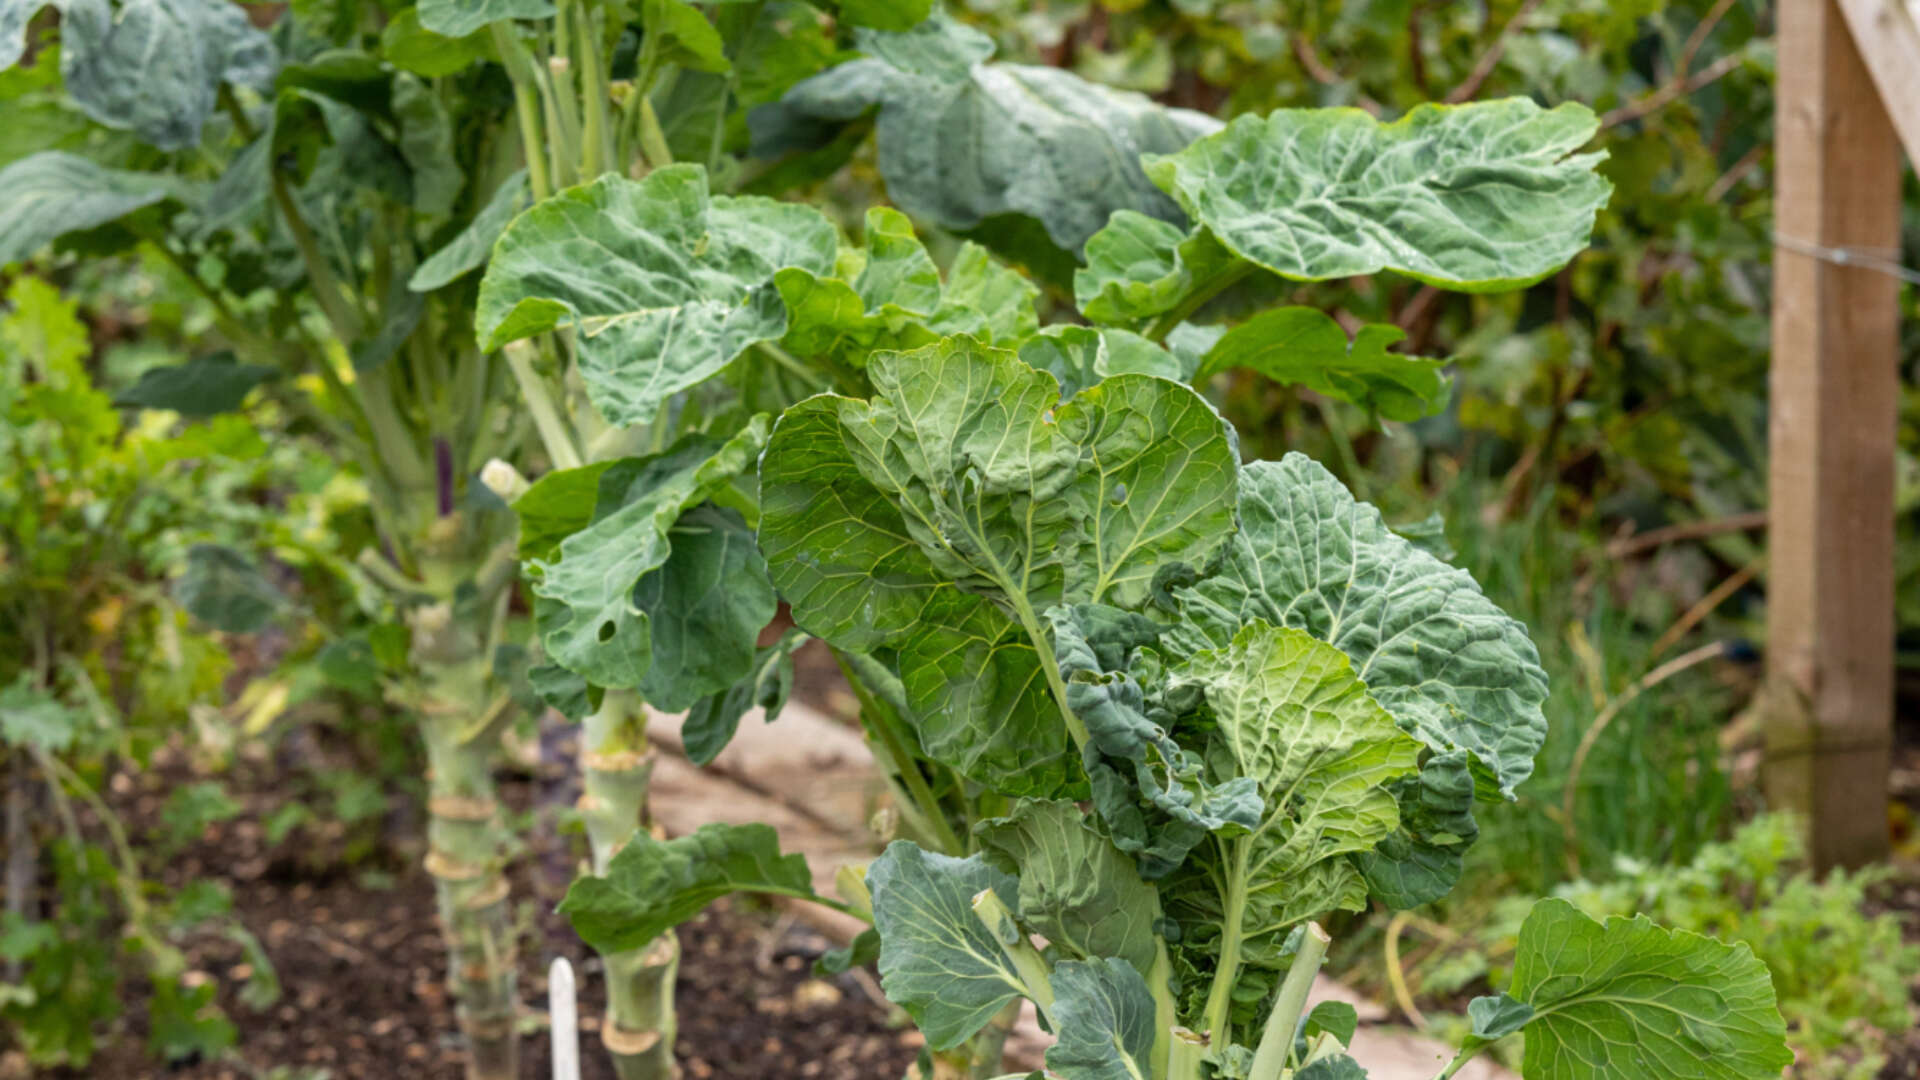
359,956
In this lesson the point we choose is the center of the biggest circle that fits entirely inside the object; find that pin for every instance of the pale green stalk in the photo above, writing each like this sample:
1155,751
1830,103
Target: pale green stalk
1220,997
1028,964
554,433
1276,1042
617,767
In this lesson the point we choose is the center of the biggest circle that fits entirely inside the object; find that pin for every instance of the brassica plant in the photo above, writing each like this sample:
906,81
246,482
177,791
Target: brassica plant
1151,712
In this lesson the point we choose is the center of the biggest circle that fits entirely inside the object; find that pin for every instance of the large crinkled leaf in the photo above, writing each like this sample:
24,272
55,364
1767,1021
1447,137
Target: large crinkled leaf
895,300
1304,346
1420,862
1104,1013
152,67
555,507
1291,715
961,140
1480,197
458,18
938,961
52,193
1076,889
885,14
203,386
467,251
1080,356
1448,664
941,516
705,608
1139,267
1629,1000
662,284
587,610
652,886
1155,797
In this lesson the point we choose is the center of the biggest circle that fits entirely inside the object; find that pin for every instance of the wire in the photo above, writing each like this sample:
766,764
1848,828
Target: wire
1850,257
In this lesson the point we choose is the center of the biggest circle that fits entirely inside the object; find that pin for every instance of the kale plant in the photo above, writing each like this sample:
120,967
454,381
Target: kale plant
1152,711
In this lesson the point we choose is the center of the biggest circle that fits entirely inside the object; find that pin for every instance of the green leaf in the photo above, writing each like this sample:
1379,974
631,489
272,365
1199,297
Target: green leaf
1105,1016
1482,197
863,950
152,67
1629,1000
222,588
1335,1018
705,607
53,193
961,141
1153,795
1303,346
1447,663
1496,1016
1081,356
563,690
426,142
652,886
941,516
1076,889
203,386
468,250
662,284
711,723
31,717
885,14
938,961
1140,266
1292,716
1337,1067
587,611
410,46
555,507
1421,861
683,35
458,18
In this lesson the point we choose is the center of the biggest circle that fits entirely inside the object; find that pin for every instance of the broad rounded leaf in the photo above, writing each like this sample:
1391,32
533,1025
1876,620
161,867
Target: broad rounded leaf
1481,197
662,284
1080,356
941,516
1447,663
152,67
1293,717
705,608
1105,1015
652,886
1140,266
961,140
52,193
938,961
1076,889
590,617
1629,1000
1303,346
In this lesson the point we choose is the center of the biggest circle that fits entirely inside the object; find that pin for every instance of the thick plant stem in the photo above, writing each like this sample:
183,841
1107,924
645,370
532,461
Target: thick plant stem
617,768
1276,1042
1186,1054
466,839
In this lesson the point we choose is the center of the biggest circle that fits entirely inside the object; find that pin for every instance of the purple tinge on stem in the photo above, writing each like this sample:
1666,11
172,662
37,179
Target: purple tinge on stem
443,472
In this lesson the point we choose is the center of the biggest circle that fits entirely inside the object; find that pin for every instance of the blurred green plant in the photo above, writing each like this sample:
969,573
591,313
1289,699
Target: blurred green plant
98,664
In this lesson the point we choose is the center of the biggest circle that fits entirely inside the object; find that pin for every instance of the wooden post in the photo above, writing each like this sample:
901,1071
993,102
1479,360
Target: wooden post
1835,388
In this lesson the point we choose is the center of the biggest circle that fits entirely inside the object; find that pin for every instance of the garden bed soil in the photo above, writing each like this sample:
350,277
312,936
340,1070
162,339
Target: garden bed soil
359,957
